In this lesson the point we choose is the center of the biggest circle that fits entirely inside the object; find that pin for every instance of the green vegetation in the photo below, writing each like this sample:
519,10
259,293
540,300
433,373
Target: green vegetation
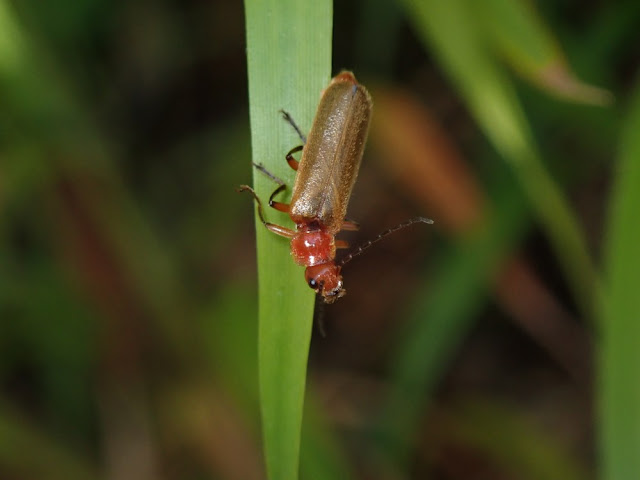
135,340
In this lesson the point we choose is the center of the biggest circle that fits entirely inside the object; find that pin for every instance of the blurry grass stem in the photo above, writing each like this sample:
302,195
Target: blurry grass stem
620,347
450,30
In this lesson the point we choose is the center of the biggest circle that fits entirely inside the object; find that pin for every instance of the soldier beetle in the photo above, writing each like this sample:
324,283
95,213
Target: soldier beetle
326,173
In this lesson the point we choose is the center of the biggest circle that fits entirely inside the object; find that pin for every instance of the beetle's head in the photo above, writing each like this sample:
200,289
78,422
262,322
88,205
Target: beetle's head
326,280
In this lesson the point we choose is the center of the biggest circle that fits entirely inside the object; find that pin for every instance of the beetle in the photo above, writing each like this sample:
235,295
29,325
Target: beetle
326,174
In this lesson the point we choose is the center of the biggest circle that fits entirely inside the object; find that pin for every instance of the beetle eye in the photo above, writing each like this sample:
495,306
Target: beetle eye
313,283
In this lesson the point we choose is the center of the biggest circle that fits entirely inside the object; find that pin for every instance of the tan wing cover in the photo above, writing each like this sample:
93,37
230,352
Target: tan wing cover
331,157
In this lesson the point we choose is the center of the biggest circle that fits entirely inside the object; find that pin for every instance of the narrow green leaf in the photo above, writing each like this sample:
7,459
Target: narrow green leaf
289,62
11,40
620,348
451,30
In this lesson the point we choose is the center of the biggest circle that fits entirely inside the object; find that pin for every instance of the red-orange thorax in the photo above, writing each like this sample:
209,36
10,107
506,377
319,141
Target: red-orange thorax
315,249
312,246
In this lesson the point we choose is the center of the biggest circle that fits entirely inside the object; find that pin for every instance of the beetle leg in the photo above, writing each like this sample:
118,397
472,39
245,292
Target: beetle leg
261,167
290,121
350,225
293,163
280,230
342,244
281,207
277,229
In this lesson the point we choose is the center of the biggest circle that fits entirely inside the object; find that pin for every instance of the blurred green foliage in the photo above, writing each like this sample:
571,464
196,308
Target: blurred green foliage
128,298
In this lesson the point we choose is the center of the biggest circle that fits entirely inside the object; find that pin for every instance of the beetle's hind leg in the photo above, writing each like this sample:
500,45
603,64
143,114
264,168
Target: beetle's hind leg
293,163
281,207
262,168
290,121
277,229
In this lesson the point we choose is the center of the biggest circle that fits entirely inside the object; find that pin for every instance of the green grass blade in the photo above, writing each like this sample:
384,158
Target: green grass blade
452,32
620,348
229,345
11,41
289,63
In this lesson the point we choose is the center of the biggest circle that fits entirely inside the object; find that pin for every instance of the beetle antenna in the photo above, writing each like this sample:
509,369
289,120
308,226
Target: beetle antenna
358,250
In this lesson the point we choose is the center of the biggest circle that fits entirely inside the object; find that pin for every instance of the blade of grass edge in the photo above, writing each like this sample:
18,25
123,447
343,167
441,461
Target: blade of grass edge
619,356
289,63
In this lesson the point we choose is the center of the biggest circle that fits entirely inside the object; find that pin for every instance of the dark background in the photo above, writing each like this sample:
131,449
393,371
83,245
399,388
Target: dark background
127,260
